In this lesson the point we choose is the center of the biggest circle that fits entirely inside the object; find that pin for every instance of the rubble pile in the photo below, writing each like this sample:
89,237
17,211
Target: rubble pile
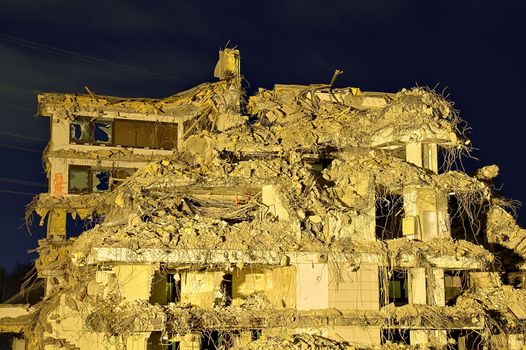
319,220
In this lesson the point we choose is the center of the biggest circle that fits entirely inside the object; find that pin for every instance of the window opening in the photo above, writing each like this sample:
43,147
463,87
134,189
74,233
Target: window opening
84,179
102,132
79,179
464,340
389,215
173,288
157,342
100,180
398,288
80,131
455,282
466,220
225,291
397,336
215,340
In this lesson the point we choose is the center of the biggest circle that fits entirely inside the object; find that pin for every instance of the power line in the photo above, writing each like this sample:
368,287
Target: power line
91,59
12,88
20,148
22,182
17,107
23,136
17,192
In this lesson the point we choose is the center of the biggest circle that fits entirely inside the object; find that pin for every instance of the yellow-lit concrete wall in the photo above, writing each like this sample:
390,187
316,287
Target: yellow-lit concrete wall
66,323
312,281
18,344
354,290
417,286
135,280
423,155
278,285
200,288
359,336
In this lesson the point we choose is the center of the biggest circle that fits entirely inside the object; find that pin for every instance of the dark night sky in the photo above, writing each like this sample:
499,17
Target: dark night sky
156,48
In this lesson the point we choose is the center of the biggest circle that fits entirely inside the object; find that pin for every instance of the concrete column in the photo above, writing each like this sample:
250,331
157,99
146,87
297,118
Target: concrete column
60,130
413,153
18,344
417,295
430,157
436,290
411,221
56,224
58,177
417,286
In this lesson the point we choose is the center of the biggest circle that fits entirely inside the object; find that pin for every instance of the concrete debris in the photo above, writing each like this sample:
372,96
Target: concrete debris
321,219
487,173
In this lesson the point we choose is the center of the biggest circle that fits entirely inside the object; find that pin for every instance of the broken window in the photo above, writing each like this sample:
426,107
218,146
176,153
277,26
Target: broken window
82,130
455,282
389,214
84,179
100,180
79,179
102,131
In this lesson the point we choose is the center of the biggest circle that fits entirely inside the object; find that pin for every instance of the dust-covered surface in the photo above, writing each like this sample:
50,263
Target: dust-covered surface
303,178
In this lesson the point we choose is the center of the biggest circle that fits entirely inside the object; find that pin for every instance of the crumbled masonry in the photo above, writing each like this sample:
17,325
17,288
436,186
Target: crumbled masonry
306,217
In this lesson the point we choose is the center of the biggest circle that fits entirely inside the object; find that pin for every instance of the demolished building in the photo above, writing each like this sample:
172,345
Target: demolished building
308,217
